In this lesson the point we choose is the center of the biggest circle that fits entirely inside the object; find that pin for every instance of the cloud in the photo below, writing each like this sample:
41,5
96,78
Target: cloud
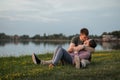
30,18
56,5
26,10
48,10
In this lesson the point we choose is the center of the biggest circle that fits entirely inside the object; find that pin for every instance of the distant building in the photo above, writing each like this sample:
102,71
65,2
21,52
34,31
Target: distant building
108,38
16,37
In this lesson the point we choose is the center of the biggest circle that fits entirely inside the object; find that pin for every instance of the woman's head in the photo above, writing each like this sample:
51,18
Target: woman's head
91,43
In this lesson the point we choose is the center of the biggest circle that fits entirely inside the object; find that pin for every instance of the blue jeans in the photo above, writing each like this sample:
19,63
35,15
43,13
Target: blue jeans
61,54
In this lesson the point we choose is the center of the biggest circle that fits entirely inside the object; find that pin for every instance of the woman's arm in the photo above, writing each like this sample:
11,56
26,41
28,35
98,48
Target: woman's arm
90,49
82,47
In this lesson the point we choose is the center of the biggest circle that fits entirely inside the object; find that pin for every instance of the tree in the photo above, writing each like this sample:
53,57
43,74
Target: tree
3,36
116,34
24,37
36,37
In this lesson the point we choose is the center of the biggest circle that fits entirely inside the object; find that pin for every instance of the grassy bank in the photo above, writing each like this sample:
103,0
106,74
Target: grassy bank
104,66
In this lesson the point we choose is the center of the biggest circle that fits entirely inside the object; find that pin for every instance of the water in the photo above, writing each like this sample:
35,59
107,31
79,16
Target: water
28,47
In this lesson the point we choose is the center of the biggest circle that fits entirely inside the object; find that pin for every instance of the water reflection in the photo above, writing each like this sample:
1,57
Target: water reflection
24,42
3,43
103,45
17,48
111,45
50,42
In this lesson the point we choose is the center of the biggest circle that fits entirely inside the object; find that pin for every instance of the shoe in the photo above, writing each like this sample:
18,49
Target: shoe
84,63
51,66
35,59
77,61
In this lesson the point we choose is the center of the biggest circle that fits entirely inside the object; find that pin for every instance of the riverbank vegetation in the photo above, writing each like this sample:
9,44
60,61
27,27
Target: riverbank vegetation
54,37
105,66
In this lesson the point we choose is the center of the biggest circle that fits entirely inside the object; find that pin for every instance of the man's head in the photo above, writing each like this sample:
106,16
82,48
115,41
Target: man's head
84,34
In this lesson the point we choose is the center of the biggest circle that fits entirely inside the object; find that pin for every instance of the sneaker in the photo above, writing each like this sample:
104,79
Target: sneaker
35,59
77,61
51,66
84,63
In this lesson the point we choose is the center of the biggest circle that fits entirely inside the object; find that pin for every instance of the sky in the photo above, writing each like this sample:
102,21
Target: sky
33,17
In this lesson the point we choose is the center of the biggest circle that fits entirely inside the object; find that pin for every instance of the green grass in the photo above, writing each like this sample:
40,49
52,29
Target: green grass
105,66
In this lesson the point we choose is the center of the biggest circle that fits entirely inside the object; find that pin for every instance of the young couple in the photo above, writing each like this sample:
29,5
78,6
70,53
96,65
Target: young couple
78,53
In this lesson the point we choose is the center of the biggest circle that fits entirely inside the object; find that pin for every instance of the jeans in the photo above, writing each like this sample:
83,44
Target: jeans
61,54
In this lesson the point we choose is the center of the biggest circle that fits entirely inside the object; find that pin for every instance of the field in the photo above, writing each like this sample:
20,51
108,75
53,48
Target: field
105,66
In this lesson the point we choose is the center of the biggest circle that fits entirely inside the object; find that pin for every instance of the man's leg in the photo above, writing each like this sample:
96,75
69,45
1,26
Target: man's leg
36,60
62,54
50,61
46,62
56,50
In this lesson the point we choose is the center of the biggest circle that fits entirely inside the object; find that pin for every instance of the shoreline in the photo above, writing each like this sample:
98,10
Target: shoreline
57,40
52,53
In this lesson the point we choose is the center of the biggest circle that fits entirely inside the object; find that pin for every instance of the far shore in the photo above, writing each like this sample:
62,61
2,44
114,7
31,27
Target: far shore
56,40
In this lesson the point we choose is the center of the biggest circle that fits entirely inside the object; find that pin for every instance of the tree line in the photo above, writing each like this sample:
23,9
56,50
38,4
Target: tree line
114,33
60,36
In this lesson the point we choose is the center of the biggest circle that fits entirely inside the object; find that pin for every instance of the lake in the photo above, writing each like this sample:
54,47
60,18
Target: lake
19,48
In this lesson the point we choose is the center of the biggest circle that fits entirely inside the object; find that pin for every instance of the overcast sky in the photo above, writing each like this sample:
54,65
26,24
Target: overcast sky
33,17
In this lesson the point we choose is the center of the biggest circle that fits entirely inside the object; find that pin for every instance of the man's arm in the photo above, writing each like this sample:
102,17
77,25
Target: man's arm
71,48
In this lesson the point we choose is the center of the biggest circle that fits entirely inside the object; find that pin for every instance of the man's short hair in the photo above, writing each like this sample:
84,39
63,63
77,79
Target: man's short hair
92,43
84,31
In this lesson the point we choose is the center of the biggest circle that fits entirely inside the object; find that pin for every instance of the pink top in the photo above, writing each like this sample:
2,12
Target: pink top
82,54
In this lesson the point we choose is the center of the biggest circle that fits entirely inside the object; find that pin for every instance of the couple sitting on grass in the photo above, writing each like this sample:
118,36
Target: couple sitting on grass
78,53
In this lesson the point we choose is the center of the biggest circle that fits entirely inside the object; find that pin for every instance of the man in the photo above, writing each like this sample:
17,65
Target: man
78,40
62,54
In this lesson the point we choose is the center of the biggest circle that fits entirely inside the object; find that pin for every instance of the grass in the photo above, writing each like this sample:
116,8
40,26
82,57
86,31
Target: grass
105,66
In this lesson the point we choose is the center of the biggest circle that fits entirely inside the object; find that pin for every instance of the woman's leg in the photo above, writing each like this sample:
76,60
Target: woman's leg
77,61
62,54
